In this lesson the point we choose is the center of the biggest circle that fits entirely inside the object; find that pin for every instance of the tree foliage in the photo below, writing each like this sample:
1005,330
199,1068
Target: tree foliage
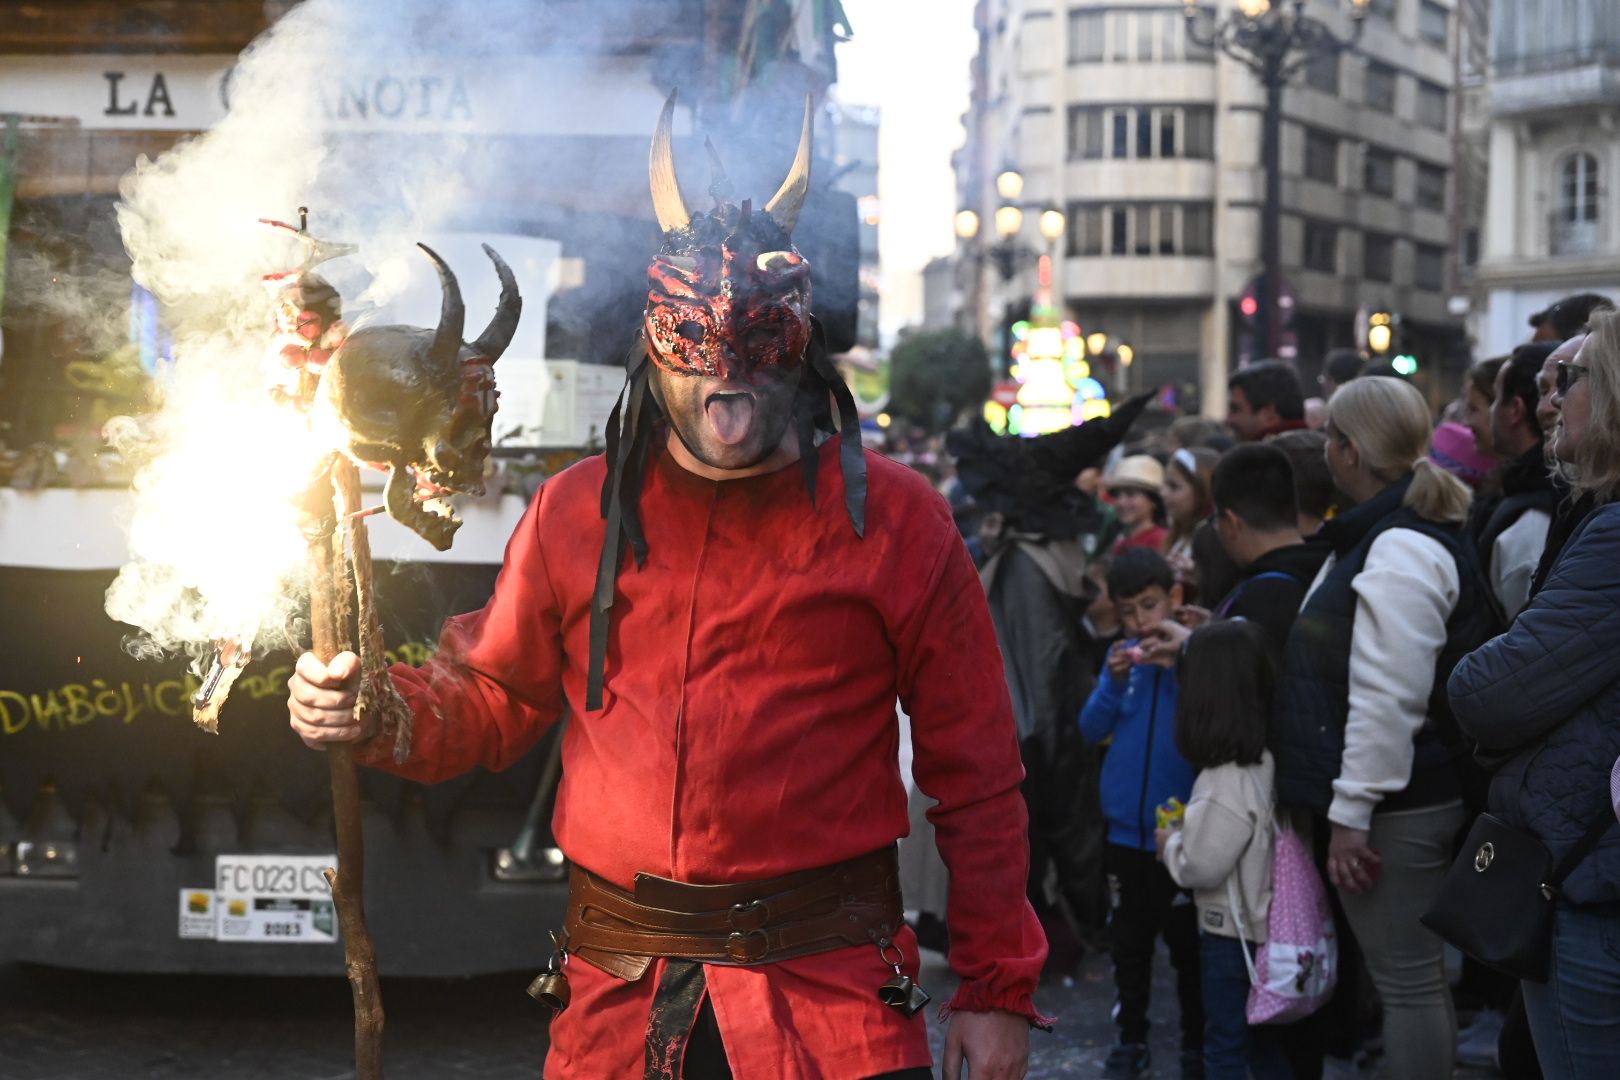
936,375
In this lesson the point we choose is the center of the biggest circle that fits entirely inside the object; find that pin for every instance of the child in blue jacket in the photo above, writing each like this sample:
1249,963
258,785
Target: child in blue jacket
1135,706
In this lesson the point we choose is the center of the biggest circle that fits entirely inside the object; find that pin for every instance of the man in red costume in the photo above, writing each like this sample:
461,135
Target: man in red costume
731,794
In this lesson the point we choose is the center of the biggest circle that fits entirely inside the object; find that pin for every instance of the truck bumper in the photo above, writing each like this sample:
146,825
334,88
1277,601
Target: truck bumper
435,905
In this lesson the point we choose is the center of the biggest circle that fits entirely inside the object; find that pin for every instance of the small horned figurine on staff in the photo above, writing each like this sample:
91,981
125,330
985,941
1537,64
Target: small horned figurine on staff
418,404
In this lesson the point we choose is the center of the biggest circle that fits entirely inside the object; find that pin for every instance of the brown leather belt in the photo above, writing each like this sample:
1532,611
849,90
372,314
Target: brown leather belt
856,902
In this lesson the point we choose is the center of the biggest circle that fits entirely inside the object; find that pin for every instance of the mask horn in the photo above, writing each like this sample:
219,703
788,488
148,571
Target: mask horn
498,334
789,198
669,205
446,349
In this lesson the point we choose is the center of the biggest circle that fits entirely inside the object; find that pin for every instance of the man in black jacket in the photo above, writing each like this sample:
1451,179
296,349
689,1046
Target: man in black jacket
1509,528
1256,517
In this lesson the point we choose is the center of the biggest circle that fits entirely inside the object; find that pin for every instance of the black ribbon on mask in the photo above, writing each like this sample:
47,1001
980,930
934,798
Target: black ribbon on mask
628,437
851,456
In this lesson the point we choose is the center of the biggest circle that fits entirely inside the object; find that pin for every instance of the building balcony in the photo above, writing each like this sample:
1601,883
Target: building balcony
1123,178
1556,81
1145,277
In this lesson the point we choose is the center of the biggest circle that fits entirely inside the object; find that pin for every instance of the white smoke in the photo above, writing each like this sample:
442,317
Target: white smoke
216,551
388,119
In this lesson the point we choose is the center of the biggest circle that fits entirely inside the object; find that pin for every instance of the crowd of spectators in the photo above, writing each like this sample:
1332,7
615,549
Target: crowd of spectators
1358,623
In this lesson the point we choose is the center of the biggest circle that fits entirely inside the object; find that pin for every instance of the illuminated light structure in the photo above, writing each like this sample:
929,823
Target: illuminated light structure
1051,373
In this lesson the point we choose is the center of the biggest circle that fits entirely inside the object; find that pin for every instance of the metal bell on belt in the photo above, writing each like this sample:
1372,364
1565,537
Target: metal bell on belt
550,987
903,993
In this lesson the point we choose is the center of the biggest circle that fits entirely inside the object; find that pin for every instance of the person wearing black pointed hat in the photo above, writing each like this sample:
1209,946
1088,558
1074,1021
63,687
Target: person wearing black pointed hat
728,602
1034,575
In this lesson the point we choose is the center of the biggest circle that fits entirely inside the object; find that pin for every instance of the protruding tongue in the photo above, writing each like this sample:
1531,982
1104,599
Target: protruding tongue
730,415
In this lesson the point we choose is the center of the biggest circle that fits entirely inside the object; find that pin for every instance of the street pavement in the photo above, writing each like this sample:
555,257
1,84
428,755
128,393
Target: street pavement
57,1025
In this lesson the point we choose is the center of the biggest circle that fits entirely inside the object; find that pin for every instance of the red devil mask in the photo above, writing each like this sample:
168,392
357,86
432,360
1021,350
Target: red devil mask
727,292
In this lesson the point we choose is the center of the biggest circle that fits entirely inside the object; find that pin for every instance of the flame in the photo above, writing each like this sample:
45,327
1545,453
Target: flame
219,505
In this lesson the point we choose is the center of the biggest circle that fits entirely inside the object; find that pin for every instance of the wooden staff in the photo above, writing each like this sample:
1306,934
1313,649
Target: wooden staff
328,616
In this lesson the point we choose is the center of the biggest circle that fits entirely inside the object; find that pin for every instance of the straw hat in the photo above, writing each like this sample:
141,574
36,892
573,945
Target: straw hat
1137,471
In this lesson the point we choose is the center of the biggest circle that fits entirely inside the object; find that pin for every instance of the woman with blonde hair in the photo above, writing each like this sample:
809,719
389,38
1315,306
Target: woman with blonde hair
1544,698
1362,732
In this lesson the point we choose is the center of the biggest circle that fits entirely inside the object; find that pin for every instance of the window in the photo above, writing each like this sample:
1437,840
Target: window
1578,189
1171,32
1085,229
1428,269
1141,229
1085,37
1167,230
1378,171
1377,257
1431,187
1197,229
1431,105
1199,139
1085,132
1322,73
1575,220
1321,156
1379,92
1124,131
1321,247
1433,21
1203,29
1140,35
1119,35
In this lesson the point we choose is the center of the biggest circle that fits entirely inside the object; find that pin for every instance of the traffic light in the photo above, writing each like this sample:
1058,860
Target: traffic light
1405,364
1381,333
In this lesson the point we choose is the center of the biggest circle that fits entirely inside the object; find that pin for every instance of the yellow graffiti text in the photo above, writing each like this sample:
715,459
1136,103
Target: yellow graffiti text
77,704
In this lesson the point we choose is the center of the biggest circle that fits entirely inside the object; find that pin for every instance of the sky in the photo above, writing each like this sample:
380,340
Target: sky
910,58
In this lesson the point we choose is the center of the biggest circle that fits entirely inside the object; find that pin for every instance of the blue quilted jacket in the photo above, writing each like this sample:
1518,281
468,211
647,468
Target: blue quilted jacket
1547,693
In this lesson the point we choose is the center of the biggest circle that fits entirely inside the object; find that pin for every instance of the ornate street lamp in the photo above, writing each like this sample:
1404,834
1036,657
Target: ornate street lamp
1006,252
1274,43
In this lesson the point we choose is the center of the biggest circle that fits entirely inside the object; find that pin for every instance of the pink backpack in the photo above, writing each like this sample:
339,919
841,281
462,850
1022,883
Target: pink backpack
1293,974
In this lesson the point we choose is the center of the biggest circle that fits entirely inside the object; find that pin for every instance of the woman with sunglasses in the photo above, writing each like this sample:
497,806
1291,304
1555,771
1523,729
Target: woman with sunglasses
1545,698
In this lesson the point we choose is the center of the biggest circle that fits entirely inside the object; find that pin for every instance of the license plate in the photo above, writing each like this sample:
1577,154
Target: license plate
263,899
298,877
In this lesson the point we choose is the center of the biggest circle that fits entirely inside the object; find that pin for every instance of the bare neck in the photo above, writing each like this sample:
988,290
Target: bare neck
785,454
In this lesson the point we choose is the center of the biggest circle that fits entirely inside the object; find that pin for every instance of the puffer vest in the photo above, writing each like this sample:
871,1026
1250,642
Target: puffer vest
1312,704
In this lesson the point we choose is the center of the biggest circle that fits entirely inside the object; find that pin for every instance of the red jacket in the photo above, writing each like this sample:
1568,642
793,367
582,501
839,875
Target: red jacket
748,731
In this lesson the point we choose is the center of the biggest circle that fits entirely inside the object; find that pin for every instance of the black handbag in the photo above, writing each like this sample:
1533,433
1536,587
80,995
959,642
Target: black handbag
1496,903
